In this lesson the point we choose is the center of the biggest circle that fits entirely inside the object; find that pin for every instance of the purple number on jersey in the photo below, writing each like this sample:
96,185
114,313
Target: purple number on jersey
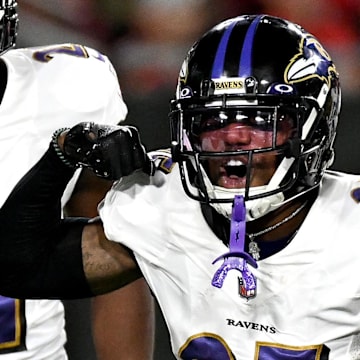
47,53
13,325
206,346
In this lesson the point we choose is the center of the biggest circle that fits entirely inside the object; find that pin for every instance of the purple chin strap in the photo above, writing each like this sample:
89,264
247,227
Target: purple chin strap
237,258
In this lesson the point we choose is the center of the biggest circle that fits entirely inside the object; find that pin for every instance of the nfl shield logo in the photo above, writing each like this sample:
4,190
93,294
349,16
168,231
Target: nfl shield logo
247,294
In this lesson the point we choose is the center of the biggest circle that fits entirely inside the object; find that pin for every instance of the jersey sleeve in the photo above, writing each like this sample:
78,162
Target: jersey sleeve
132,213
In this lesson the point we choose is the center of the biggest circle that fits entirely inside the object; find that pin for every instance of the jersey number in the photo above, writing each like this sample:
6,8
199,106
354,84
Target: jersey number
47,53
13,325
208,346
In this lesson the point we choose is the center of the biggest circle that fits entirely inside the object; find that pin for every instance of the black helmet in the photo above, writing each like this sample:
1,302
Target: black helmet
261,70
9,24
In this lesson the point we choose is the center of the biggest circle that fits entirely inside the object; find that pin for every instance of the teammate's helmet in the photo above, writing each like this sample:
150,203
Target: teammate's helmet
9,24
257,69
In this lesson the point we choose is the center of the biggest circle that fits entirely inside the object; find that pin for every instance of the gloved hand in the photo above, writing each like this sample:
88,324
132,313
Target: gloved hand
110,151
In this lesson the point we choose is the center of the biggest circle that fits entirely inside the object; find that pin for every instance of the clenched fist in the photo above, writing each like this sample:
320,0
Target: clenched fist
111,151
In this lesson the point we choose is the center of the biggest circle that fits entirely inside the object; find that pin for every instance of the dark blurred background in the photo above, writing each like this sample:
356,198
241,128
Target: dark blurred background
147,41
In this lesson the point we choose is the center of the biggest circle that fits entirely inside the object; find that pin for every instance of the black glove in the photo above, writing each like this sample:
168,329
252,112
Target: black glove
110,151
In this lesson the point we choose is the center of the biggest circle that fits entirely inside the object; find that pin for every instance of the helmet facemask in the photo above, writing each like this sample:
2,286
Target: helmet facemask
227,149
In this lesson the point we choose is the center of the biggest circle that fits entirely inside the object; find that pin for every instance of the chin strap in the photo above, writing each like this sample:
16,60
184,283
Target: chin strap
237,258
254,208
258,207
262,206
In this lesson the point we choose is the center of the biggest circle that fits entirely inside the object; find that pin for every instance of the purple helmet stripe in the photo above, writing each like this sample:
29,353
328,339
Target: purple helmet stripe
245,65
218,65
246,53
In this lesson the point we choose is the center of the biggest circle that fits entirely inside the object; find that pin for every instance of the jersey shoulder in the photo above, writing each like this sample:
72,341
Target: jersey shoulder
64,63
74,77
145,185
343,185
162,160
45,54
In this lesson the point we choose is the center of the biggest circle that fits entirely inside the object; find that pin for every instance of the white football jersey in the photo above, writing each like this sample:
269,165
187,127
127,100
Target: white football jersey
48,88
307,304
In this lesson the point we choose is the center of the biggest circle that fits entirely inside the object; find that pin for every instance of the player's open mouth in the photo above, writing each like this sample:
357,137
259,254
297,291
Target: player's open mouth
232,174
235,168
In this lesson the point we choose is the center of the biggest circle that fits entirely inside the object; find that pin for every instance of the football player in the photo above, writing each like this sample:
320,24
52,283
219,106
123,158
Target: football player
43,89
242,232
